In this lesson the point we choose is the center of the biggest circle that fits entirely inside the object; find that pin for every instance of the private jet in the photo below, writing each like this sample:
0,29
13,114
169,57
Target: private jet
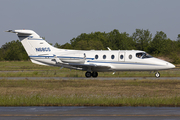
92,61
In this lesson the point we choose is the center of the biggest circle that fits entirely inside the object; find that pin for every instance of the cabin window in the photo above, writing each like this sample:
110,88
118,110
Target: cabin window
112,56
143,55
121,57
130,56
104,56
96,56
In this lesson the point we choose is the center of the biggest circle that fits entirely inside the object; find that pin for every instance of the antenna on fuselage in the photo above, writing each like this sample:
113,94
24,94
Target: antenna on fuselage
84,56
108,48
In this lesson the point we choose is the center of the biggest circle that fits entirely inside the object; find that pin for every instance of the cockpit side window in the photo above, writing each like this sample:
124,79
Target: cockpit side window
143,55
139,55
146,55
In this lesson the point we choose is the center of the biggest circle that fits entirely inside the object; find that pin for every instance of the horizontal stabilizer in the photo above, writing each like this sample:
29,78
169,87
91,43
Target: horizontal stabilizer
24,33
27,32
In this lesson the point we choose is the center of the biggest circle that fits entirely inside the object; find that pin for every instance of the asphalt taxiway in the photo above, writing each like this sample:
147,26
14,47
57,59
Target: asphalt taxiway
84,78
89,113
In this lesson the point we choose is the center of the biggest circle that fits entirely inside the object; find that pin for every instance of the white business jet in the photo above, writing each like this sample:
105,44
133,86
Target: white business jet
92,61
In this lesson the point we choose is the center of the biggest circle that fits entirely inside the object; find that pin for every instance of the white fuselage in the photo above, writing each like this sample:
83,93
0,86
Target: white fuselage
116,60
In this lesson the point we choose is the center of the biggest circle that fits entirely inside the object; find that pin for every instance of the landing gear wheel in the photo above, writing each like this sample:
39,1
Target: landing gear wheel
88,74
157,75
94,74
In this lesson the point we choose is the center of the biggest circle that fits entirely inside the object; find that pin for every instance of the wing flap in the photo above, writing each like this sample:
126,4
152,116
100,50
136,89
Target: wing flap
95,66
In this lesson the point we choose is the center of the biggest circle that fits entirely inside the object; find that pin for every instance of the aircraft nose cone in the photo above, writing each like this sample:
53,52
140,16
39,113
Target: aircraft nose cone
170,65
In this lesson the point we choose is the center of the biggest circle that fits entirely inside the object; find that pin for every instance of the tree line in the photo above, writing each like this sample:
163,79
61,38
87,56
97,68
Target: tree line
157,45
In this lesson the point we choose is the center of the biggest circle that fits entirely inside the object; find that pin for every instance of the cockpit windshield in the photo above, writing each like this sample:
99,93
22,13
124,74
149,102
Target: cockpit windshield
143,55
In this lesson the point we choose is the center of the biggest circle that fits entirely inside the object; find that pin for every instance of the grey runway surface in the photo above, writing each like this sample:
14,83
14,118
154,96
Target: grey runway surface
84,78
90,113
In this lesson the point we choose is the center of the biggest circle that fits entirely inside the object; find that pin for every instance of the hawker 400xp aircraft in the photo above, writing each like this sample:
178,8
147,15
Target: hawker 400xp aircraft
92,61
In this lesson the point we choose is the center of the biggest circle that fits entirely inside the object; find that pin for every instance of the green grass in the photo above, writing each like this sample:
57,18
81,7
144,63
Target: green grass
23,65
75,100
75,73
84,92
89,93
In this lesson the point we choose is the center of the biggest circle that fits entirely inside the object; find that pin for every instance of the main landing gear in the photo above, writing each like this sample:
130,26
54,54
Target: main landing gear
89,74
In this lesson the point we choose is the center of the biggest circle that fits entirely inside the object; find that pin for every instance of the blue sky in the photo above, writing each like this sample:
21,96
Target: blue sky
61,20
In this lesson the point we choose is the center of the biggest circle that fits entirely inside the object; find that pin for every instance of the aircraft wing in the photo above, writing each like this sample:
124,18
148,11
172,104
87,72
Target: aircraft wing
92,66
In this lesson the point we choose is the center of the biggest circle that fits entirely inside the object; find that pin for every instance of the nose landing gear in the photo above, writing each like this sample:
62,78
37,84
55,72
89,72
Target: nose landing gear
157,75
93,74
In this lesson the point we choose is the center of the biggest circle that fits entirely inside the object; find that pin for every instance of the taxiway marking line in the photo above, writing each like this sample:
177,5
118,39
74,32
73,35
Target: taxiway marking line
85,115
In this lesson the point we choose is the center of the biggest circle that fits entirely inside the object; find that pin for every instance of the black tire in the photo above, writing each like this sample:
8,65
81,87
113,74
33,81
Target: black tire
157,75
88,74
94,74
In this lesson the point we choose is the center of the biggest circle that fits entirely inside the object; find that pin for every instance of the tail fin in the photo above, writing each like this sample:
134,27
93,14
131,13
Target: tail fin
33,43
36,47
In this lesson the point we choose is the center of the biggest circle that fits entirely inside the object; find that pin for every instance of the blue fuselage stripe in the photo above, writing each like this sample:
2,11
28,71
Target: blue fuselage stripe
63,57
123,63
94,61
40,56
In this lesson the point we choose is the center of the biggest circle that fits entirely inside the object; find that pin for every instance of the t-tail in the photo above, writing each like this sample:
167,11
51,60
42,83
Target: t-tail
34,45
